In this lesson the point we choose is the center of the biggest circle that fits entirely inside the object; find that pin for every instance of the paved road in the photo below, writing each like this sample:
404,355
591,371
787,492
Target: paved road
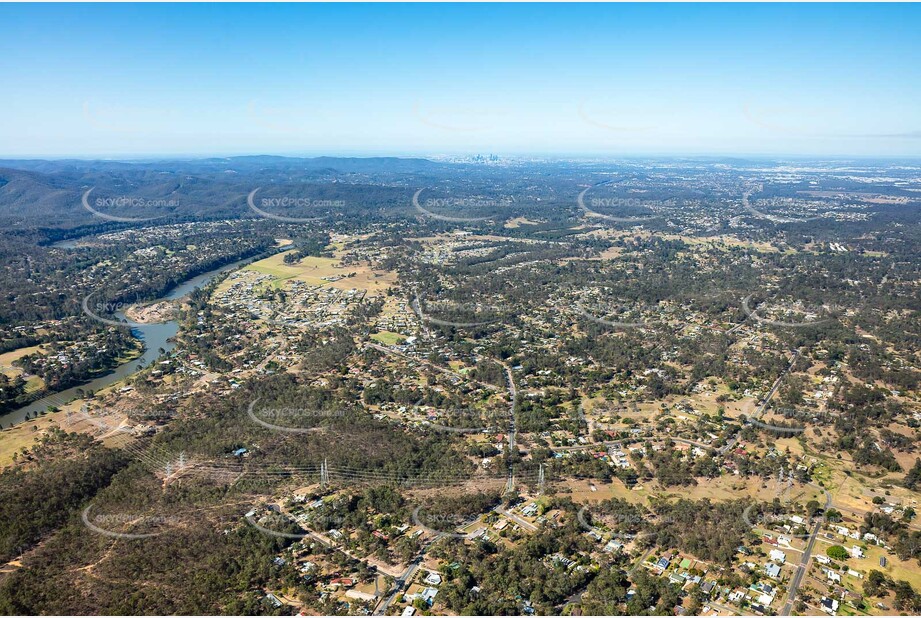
723,608
518,520
641,561
800,572
392,352
803,565
513,396
399,584
327,542
644,436
737,327
407,577
761,409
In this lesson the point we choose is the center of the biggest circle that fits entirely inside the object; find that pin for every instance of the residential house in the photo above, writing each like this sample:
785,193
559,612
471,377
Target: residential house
829,606
778,556
432,579
772,570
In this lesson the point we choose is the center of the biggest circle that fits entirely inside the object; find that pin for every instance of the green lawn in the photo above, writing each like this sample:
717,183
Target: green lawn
387,338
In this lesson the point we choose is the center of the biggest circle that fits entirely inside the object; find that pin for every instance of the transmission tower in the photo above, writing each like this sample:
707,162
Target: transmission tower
324,474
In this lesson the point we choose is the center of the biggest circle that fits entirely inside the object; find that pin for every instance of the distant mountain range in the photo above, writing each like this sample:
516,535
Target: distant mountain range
48,193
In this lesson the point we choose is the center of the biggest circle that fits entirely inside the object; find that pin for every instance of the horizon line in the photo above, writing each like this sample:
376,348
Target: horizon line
437,156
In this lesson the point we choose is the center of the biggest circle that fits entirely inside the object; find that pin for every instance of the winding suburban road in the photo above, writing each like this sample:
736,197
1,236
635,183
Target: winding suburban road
764,404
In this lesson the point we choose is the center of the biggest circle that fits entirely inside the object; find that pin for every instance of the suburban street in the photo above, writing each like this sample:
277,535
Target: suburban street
406,578
803,566
761,409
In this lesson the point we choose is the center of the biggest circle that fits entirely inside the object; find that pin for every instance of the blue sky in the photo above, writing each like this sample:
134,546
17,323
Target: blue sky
544,79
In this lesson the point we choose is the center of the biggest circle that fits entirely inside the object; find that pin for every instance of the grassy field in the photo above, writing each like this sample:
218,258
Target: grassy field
7,358
387,338
732,487
33,383
20,436
312,270
581,491
27,433
906,570
896,569
518,222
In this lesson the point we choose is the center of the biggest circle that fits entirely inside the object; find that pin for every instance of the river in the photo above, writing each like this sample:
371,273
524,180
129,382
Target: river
154,337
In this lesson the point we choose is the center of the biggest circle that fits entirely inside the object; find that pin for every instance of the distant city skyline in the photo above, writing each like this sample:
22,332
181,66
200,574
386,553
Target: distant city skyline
141,81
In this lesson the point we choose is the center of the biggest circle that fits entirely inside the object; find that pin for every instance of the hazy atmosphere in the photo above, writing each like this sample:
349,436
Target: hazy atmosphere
460,310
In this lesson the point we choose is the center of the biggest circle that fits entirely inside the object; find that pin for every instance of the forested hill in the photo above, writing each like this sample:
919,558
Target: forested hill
42,194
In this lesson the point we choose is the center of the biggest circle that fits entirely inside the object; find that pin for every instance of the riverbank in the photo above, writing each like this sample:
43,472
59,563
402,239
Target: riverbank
153,337
154,313
36,390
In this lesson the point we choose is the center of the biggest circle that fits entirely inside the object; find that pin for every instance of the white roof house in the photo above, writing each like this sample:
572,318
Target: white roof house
433,579
778,556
